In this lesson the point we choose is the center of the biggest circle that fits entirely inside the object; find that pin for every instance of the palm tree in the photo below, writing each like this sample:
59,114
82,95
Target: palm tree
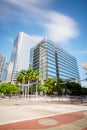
31,75
36,77
27,76
21,78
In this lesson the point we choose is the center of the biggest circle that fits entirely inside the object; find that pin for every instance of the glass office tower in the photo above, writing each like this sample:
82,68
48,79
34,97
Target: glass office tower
20,55
53,61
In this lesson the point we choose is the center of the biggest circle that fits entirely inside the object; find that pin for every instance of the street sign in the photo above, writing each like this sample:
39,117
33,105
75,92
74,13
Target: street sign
24,85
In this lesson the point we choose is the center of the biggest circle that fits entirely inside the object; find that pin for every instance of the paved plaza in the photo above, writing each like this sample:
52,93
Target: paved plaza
25,114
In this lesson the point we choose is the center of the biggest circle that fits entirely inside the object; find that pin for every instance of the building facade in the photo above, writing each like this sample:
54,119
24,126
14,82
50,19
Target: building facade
4,72
2,62
20,55
53,61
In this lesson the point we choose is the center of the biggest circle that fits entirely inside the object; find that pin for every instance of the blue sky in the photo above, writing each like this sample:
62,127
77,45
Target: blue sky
63,21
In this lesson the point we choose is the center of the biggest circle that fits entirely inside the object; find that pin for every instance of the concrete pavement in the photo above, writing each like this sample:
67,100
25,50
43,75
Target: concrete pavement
25,114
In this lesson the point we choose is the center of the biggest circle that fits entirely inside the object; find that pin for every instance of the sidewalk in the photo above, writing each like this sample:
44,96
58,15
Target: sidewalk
71,121
25,115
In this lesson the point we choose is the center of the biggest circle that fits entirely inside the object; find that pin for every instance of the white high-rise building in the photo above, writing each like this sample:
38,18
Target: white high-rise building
20,55
2,62
4,72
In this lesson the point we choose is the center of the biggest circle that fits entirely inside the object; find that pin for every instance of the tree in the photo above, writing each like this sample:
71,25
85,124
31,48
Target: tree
47,86
74,88
31,75
8,88
43,88
52,85
21,76
26,76
59,86
84,91
35,78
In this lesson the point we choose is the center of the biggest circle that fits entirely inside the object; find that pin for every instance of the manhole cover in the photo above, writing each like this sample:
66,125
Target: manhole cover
47,122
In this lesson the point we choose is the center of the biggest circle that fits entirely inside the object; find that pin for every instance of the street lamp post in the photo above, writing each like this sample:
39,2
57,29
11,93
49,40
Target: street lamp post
36,89
25,92
19,89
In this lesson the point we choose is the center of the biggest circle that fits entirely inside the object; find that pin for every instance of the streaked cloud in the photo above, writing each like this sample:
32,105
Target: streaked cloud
83,51
60,27
37,38
57,26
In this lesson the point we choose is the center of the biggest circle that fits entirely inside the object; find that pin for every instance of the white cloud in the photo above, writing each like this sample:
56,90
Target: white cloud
82,51
58,27
37,38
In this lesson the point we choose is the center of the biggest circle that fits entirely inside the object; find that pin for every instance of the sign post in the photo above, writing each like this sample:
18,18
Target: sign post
24,86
